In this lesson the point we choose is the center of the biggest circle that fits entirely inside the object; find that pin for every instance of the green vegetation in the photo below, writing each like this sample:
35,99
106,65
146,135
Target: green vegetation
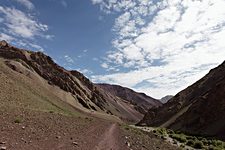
133,130
179,137
51,111
17,120
190,143
182,146
198,145
196,142
160,131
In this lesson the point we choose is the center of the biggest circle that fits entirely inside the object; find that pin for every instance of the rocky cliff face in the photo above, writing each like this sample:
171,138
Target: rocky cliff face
197,109
82,89
141,101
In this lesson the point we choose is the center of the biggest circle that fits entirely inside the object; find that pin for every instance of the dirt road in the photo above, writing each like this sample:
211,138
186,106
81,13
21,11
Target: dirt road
109,139
46,131
31,130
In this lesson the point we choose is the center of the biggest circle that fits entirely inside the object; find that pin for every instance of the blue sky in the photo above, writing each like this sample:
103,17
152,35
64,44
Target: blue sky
154,46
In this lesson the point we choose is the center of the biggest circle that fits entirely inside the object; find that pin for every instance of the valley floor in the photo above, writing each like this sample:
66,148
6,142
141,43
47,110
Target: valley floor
29,129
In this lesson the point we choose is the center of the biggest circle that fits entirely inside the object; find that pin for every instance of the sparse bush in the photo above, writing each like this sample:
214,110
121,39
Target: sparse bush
17,120
209,142
127,128
198,145
51,111
205,141
213,148
179,137
161,131
189,137
178,132
174,142
163,137
190,142
170,131
182,146
217,143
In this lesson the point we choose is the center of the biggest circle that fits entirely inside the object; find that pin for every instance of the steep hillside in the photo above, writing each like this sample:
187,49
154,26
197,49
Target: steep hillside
71,87
141,101
198,109
166,99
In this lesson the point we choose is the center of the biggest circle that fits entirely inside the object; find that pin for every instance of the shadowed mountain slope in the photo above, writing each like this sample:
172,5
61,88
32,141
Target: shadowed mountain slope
141,101
198,109
166,99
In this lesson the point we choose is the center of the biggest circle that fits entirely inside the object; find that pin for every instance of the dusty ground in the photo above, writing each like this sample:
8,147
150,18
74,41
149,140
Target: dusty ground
21,129
26,130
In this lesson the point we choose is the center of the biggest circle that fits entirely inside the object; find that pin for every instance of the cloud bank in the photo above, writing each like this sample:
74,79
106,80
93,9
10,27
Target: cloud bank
164,46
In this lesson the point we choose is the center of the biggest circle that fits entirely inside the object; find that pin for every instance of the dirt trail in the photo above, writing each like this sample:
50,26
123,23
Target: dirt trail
109,139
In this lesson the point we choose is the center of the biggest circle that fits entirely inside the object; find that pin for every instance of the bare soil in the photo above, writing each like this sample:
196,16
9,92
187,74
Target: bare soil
28,130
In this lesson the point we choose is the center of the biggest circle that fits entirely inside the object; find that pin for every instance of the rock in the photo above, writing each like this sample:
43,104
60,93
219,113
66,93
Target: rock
58,137
3,148
75,143
3,43
2,142
23,127
128,144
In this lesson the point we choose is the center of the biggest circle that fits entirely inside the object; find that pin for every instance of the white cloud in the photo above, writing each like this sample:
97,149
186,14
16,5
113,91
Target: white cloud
85,51
37,47
25,43
96,1
95,59
105,65
28,4
6,37
20,24
69,59
20,28
167,45
85,71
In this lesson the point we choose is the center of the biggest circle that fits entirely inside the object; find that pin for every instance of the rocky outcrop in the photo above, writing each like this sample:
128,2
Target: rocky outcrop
46,68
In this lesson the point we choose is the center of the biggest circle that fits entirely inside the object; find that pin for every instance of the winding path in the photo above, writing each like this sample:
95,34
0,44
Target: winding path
109,140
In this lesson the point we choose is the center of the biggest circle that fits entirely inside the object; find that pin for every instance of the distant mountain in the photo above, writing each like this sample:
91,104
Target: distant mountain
141,101
166,99
198,109
71,87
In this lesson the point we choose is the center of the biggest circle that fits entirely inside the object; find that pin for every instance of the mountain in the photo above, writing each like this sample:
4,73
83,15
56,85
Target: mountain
141,101
166,99
44,106
35,71
198,109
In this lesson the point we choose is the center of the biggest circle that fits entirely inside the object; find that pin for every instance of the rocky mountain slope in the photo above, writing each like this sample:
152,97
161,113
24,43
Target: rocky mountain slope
166,99
198,109
141,101
71,87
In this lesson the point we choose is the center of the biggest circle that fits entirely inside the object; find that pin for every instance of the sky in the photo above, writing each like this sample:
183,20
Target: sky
158,47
